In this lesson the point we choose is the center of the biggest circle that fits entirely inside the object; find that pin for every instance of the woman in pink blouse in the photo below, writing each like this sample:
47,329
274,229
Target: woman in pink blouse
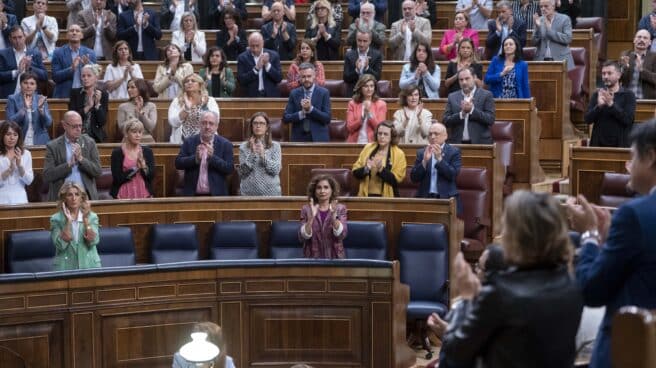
307,53
365,111
449,45
133,165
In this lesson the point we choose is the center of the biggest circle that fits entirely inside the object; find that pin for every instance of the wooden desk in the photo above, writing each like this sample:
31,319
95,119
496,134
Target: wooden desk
588,165
633,338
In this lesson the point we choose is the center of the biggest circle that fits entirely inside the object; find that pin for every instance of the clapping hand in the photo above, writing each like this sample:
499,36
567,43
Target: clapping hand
437,325
146,17
89,234
314,209
428,153
466,284
265,59
536,20
306,105
333,213
96,98
18,158
507,69
466,106
138,103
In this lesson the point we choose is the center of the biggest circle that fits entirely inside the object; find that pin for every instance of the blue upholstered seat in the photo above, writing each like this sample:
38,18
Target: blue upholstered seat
366,240
284,242
116,247
29,251
234,240
173,243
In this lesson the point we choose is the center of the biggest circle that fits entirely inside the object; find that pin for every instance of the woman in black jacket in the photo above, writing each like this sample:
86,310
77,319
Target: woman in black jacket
133,165
91,103
231,37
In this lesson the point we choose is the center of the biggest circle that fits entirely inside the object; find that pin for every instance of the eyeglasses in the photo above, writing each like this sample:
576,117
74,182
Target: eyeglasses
321,8
75,126
259,123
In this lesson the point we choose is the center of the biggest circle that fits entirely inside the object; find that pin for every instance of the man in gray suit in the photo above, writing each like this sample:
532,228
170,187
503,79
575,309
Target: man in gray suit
71,157
406,33
98,22
469,112
552,34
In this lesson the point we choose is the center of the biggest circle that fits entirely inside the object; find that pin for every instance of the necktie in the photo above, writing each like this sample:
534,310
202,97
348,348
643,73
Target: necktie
306,121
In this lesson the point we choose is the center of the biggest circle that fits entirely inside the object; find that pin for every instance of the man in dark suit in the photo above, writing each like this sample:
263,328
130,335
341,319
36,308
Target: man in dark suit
279,36
72,156
639,67
258,69
142,24
7,22
168,13
206,159
470,112
504,26
437,166
362,60
67,62
617,258
29,61
308,109
95,22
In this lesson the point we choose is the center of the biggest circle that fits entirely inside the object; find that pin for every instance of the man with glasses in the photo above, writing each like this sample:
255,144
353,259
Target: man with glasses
552,34
354,7
72,157
406,33
367,23
308,109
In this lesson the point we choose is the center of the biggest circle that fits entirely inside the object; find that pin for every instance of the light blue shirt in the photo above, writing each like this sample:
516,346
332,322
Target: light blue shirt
76,72
75,175
433,182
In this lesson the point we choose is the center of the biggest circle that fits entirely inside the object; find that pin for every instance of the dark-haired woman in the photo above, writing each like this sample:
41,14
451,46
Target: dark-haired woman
507,75
30,111
120,71
466,57
15,165
218,77
412,121
306,54
421,72
169,76
231,37
140,108
365,111
260,160
323,220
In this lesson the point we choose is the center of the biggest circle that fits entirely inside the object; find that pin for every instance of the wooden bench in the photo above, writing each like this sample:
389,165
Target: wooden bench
588,165
633,339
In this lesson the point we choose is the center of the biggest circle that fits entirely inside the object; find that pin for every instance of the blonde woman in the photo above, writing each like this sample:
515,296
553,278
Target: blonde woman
412,121
139,107
133,165
169,76
323,31
189,39
186,109
91,103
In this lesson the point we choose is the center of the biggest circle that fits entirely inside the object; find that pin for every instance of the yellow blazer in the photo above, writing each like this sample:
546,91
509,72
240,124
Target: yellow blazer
396,164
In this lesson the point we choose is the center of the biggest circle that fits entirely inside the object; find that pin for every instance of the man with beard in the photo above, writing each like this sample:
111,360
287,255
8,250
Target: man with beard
367,23
639,67
406,33
611,110
308,109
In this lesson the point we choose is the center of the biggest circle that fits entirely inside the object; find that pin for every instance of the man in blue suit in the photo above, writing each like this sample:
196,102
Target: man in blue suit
308,109
206,159
7,22
140,24
437,167
617,260
67,62
504,26
29,61
258,69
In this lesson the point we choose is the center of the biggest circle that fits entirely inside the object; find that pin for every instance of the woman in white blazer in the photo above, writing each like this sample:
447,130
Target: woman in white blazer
189,39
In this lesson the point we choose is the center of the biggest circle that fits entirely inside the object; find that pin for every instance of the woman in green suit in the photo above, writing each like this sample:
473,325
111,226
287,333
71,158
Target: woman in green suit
74,230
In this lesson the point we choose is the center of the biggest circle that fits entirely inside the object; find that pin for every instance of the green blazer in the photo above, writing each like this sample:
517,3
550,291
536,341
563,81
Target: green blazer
74,255
227,88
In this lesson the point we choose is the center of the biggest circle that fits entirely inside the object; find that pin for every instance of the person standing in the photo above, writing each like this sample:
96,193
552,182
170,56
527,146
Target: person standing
308,109
552,34
639,67
260,160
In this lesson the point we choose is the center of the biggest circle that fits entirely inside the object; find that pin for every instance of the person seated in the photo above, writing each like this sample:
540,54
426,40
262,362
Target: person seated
215,336
120,71
381,165
206,159
169,76
552,34
133,165
306,54
536,293
323,220
407,33
15,165
41,30
30,111
189,39
507,75
218,76
67,63
187,109
362,60
367,23
140,28
172,11
422,72
17,60
412,121
308,109
231,37
479,11
323,31
470,112
289,10
91,103
365,111
260,160
335,10
7,22
466,58
279,35
138,107
74,230
98,28
450,44
354,7
437,166
258,69
504,26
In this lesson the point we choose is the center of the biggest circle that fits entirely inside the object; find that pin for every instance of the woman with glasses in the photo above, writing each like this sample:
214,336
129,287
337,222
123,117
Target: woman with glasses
322,30
259,160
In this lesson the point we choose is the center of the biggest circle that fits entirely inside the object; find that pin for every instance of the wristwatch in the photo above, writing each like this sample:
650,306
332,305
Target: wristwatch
591,234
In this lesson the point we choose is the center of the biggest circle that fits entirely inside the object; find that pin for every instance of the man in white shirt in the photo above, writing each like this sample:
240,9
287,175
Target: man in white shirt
98,29
41,30
479,11
406,33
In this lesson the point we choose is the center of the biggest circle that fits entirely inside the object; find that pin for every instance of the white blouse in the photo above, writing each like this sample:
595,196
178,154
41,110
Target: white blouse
113,73
12,189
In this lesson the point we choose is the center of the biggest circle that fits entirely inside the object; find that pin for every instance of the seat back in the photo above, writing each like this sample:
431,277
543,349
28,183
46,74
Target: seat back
579,77
283,88
472,186
347,184
529,52
423,252
104,183
173,243
284,242
29,251
408,189
502,135
337,131
336,88
366,240
615,190
633,338
385,89
234,240
599,37
116,247
279,130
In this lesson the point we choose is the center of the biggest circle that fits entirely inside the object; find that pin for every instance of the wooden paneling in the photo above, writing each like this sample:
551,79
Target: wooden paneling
645,110
588,165
623,17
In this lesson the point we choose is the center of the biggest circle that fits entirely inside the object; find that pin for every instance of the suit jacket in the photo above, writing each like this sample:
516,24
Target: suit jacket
621,271
354,119
422,33
167,15
493,42
62,68
78,254
56,169
8,65
378,36
86,19
480,120
326,50
120,177
285,49
447,171
558,38
249,80
351,75
40,122
233,50
494,80
219,166
97,117
11,21
647,77
319,117
127,31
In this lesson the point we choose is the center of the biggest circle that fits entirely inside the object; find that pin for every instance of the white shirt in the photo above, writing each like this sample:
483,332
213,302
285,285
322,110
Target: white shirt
465,116
97,46
29,25
116,72
18,56
177,15
408,44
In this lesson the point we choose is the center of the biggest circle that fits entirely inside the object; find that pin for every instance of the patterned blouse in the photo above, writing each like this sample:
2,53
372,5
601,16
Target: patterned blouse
509,85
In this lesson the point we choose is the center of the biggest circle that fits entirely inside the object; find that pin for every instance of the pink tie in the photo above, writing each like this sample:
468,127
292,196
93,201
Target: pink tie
203,184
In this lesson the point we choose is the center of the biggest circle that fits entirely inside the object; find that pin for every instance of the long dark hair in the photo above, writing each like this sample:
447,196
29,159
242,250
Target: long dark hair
430,62
142,87
313,58
518,48
208,55
267,134
4,128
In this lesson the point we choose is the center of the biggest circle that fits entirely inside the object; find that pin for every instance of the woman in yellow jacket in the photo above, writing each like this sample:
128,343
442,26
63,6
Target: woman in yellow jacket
381,165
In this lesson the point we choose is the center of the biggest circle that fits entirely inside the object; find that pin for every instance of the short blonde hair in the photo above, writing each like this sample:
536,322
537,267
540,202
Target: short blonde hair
132,124
95,69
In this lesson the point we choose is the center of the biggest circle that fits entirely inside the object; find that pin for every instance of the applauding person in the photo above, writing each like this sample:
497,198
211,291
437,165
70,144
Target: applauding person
15,165
168,78
260,160
30,111
507,75
422,72
231,37
139,107
120,71
189,39
365,111
412,120
133,165
91,103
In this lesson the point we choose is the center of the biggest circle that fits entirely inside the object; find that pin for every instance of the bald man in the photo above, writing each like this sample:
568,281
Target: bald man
407,32
258,69
639,67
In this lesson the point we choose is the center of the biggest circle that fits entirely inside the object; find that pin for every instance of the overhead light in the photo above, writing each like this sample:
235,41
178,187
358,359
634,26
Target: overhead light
199,350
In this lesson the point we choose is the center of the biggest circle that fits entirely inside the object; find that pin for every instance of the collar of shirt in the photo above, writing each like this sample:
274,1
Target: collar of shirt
471,94
653,190
360,54
308,92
